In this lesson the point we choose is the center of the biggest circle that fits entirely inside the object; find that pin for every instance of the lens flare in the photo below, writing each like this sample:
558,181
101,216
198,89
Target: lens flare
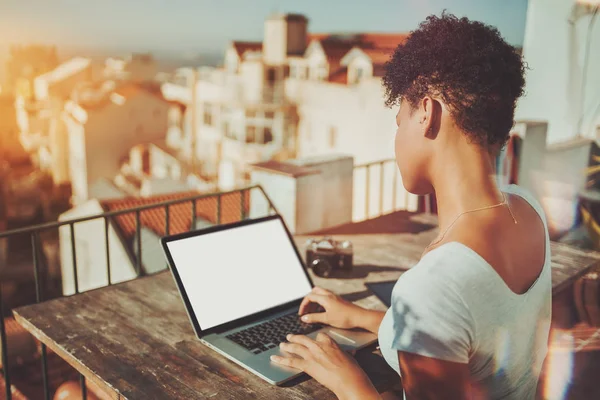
559,367
502,351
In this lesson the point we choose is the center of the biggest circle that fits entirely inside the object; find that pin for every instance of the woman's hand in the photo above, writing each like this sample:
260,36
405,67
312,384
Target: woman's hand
328,364
338,312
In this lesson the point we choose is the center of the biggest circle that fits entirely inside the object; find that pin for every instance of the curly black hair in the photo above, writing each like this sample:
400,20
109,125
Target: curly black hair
469,65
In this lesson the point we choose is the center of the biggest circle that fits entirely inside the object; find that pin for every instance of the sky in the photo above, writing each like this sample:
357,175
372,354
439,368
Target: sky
208,25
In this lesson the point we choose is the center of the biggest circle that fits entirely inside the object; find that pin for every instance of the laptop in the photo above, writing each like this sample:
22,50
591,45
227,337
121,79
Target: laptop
242,285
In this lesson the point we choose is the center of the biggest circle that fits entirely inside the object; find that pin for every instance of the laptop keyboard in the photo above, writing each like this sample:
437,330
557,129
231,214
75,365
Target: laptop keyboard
268,335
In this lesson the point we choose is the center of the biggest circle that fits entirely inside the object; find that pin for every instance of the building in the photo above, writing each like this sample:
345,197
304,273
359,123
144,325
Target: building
562,88
295,94
157,168
24,64
138,67
9,127
62,80
102,126
339,97
122,237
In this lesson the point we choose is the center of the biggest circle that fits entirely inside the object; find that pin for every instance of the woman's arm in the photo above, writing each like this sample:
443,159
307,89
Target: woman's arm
426,378
368,319
338,312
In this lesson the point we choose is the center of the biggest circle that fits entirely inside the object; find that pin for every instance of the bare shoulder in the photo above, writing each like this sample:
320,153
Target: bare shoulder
515,250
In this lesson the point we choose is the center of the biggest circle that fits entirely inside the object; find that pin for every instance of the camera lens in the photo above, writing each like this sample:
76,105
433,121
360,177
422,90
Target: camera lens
321,267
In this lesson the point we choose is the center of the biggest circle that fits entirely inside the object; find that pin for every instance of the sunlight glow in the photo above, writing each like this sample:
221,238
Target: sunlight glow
502,347
559,369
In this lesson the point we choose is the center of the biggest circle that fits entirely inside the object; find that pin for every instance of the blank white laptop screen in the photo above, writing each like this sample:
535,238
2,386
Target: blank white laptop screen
237,272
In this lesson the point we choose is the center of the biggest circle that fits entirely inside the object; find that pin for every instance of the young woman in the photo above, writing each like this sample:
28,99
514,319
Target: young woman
472,318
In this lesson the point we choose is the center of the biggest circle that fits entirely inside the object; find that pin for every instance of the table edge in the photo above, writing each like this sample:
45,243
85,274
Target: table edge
66,356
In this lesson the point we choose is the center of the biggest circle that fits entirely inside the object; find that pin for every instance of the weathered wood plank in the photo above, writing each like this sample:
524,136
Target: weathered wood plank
134,339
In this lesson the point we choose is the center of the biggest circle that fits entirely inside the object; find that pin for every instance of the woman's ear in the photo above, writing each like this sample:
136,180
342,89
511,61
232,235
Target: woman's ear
431,116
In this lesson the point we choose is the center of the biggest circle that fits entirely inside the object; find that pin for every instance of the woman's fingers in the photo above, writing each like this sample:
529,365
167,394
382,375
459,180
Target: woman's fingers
315,318
295,348
303,340
312,298
324,338
297,363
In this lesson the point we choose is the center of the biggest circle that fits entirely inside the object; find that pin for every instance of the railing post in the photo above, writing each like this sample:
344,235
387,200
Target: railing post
193,227
138,232
106,237
367,189
242,205
381,174
271,205
4,348
166,220
38,299
219,209
83,387
74,258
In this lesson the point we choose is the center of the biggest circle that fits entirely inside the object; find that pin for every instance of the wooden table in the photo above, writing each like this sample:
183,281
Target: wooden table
135,341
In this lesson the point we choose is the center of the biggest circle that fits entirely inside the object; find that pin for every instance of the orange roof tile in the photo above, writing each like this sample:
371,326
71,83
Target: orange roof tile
363,40
378,46
379,55
339,76
316,36
180,215
242,47
383,40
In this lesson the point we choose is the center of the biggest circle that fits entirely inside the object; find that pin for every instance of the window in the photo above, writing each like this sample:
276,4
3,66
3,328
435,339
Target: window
250,113
358,74
332,137
207,117
250,134
269,114
321,72
300,72
267,135
226,129
271,75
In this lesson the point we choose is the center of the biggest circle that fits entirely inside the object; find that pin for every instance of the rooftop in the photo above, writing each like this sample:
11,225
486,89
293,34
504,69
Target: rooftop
284,168
66,69
243,47
180,215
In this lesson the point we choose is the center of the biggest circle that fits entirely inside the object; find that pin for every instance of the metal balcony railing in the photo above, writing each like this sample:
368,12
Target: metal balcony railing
378,190
34,233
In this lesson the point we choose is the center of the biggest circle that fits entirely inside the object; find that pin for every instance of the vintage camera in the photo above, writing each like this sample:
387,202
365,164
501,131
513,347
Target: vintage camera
326,255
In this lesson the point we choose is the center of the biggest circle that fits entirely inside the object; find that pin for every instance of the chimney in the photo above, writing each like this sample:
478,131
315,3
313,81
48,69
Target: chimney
311,194
285,35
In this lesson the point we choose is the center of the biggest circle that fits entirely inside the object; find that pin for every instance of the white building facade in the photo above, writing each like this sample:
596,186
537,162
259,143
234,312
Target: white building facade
295,94
562,84
102,132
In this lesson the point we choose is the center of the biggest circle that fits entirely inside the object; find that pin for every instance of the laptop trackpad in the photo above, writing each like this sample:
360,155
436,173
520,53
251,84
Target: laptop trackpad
347,339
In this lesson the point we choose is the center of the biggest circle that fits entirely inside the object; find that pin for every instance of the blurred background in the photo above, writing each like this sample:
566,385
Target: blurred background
112,105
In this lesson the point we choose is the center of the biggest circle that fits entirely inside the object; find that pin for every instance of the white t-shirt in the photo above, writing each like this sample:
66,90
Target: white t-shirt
454,306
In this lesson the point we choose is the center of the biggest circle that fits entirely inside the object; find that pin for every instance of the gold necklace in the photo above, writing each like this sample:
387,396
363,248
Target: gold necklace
504,202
